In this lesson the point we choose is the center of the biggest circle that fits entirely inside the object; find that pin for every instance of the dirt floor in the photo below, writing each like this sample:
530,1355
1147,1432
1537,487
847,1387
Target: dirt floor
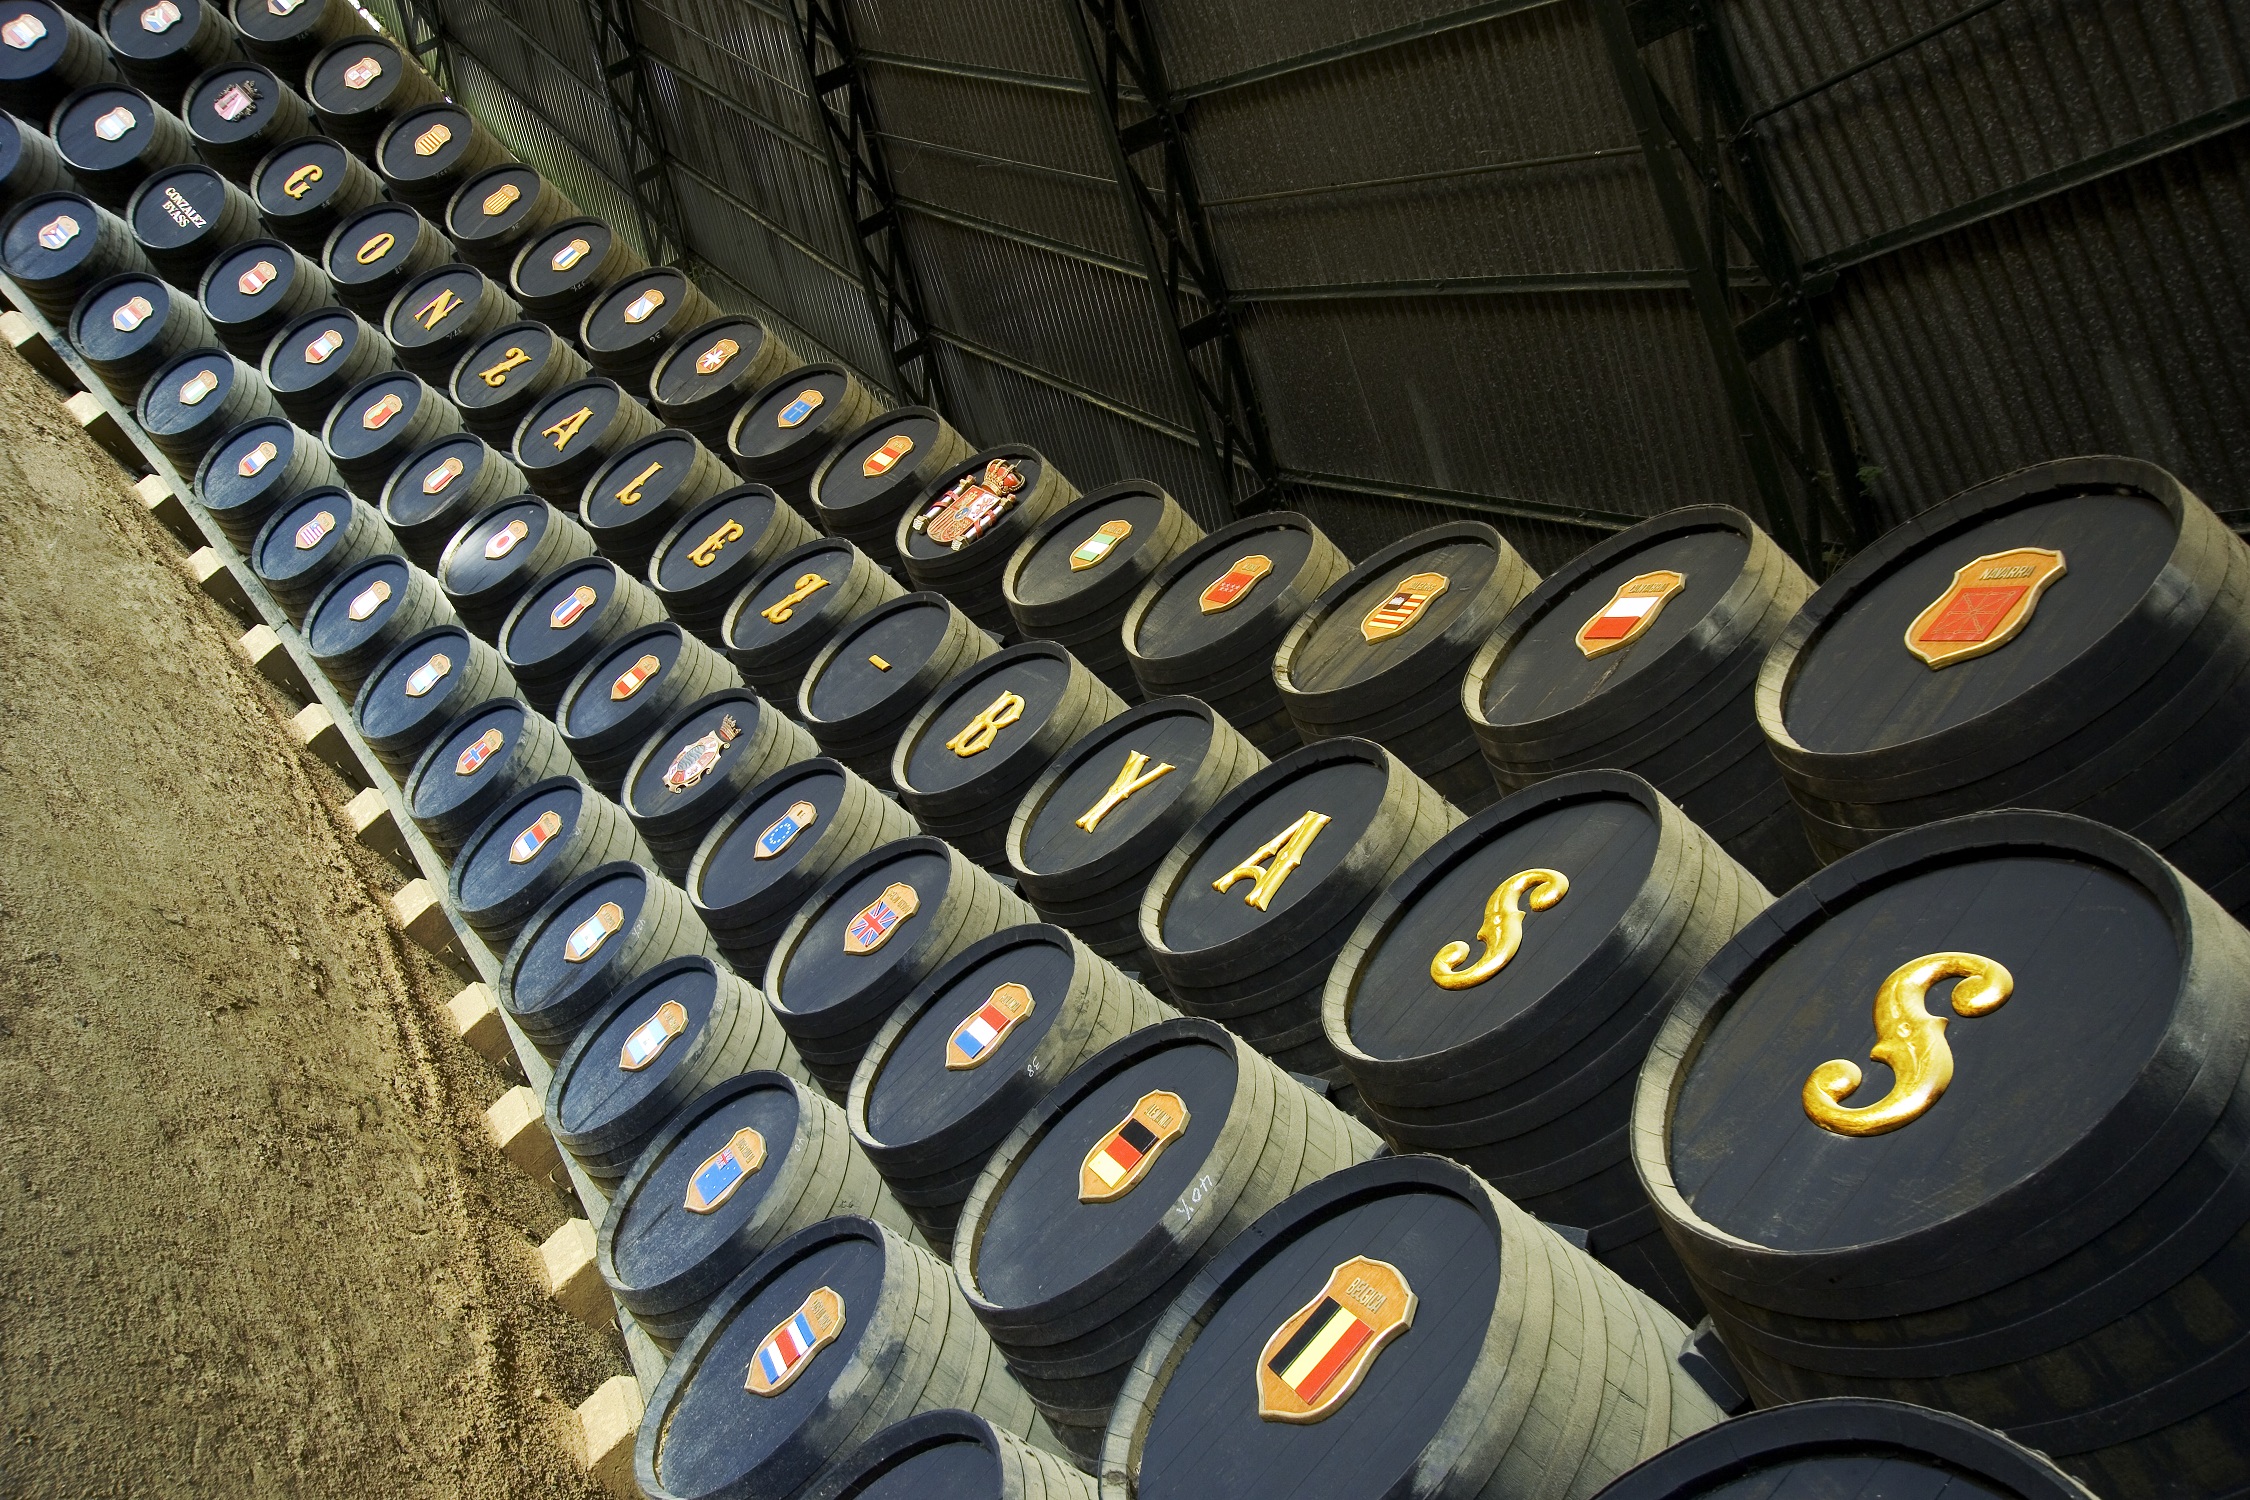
253,1240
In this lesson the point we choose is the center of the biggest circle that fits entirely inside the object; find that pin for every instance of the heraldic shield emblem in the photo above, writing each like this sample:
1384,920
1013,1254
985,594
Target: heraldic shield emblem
1317,1358
1986,606
1229,588
714,1180
652,1036
783,831
873,927
1127,1153
975,1040
714,359
698,756
472,759
788,1351
1404,606
880,461
1629,612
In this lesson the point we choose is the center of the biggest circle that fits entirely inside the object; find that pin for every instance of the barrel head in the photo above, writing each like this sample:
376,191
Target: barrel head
418,689
563,263
250,282
784,603
120,318
490,206
791,419
564,430
240,477
632,1047
859,942
507,362
372,424
700,376
966,504
872,669
1068,561
301,180
177,208
558,615
1216,590
942,1468
307,354
688,771
620,694
233,103
424,144
632,321
104,127
493,553
678,1216
374,245
755,848
638,484
356,77
49,237
713,549
1386,613
576,951
507,855
431,483
300,537
431,308
473,755
985,722
875,473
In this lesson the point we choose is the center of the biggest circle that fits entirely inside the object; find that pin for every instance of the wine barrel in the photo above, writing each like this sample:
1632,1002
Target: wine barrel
311,362
256,469
50,53
566,619
966,756
789,612
360,84
1077,574
310,538
491,215
187,217
587,941
644,489
421,687
1381,654
129,327
198,398
2036,1219
766,854
305,189
626,330
566,438
371,256
693,768
29,163
868,477
1402,1330
862,942
287,43
479,761
1207,624
438,489
717,546
651,1050
949,1455
1090,878
666,1248
1495,1003
366,611
1847,1447
867,682
2109,684
629,690
971,1050
426,154
557,274
712,369
1642,654
163,46
1111,1191
958,535
377,423
506,373
441,315
60,246
1248,911
901,1346
255,290
780,432
568,828
495,558
113,138
239,111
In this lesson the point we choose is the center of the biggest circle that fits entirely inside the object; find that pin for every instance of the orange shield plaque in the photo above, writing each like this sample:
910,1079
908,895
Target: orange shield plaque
880,461
1226,591
1316,1359
1630,612
1986,606
1121,1158
1404,606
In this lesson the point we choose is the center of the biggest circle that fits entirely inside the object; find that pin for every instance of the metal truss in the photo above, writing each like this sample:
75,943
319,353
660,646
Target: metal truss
422,28
643,163
1144,127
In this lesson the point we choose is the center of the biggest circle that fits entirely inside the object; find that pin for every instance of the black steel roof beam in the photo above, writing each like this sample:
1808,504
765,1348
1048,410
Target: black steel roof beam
1512,509
1899,49
971,70
425,35
1475,15
642,157
1412,179
1530,284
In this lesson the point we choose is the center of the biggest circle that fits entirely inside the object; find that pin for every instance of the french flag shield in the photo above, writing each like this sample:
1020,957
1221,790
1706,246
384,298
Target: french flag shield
975,1040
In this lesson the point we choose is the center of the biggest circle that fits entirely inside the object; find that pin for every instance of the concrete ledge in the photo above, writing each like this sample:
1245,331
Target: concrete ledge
609,1422
519,1128
24,337
274,663
317,731
169,510
374,828
217,580
567,1258
108,434
476,1017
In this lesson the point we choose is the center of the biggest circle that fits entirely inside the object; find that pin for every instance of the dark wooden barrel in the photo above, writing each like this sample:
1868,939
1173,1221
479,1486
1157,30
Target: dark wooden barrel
966,757
652,1049
766,854
1206,625
566,619
779,432
306,188
644,488
60,54
255,290
506,373
161,47
1256,954
476,763
587,941
366,611
712,369
426,154
441,315
558,273
128,327
493,213
187,217
1380,655
1642,654
971,1050
113,138
565,438
866,683
666,1260
568,830
197,399
241,482
437,490
717,546
629,690
1090,879
861,943
782,618
239,111
893,1343
59,246
627,329
950,1455
495,558
424,684
379,422
871,474
1495,1003
362,83
309,539
288,43
699,763
371,256
312,361
2108,686
1848,1447
1400,1330
1107,1195
1073,579
29,163
2029,1211
959,533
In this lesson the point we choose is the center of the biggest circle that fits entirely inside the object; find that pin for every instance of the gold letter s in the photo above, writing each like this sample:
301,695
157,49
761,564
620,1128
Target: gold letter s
1502,932
1910,1041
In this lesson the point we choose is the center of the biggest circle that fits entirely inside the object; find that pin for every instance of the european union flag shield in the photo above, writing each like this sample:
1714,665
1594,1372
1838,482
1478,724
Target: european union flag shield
783,830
